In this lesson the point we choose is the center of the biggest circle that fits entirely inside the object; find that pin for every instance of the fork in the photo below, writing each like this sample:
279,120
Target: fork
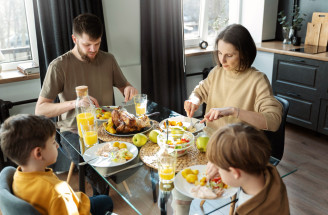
86,162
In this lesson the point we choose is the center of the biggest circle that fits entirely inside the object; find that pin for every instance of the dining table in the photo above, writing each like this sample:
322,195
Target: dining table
137,181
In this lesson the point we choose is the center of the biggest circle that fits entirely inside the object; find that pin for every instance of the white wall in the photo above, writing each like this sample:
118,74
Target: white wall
264,63
122,24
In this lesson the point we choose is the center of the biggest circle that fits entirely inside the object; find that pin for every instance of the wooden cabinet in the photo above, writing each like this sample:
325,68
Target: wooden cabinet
304,83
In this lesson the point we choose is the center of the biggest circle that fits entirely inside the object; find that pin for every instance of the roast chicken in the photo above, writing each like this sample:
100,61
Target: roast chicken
126,122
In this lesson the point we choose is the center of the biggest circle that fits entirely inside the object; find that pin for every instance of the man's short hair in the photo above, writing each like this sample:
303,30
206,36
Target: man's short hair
89,24
21,133
240,146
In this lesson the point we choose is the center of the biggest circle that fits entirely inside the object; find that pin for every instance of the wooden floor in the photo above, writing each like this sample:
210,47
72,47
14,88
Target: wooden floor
307,188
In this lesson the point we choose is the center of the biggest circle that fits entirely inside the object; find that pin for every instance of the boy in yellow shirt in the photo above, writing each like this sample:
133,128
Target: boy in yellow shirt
240,155
29,141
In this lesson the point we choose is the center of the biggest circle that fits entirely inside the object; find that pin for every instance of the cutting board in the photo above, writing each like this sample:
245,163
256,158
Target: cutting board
322,18
318,17
312,34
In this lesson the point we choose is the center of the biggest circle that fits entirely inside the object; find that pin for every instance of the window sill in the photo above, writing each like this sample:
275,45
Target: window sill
10,76
198,51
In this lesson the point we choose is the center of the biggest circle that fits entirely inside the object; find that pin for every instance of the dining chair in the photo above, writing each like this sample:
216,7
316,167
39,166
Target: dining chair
277,138
9,203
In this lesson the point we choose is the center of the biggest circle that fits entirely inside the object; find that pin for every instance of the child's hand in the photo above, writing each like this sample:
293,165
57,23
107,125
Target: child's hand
211,171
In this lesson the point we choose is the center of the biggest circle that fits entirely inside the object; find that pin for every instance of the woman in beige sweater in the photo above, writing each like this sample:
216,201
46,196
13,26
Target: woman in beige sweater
233,92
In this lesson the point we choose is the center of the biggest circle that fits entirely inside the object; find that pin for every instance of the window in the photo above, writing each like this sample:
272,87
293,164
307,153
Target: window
17,35
203,19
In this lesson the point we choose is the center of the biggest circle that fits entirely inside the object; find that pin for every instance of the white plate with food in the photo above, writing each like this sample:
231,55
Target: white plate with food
125,124
108,155
183,122
184,187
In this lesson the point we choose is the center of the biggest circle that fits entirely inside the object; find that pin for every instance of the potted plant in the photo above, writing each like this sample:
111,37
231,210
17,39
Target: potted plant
290,30
282,19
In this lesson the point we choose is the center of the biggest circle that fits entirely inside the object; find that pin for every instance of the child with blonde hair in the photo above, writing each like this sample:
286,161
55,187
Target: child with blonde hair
240,154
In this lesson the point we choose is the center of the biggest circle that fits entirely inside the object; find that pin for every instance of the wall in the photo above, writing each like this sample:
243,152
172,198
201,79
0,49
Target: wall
122,21
264,63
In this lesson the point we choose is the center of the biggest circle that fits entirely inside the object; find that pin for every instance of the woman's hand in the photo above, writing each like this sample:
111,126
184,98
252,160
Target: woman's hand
190,107
217,113
211,171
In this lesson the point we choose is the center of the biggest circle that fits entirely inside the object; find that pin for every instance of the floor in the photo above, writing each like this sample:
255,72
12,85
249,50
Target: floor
307,188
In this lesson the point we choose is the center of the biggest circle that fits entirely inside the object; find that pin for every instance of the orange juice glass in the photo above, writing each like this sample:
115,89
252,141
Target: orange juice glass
140,102
84,119
90,136
166,173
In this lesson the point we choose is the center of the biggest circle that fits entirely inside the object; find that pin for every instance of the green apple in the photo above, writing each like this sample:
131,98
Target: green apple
153,135
201,143
139,139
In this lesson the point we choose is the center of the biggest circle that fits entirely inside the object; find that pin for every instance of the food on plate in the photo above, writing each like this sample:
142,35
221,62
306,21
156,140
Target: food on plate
109,126
125,122
153,135
179,124
122,146
201,182
201,143
139,139
203,192
190,175
216,183
119,155
102,114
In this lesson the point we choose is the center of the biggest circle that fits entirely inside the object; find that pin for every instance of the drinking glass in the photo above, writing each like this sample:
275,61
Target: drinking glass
90,136
140,102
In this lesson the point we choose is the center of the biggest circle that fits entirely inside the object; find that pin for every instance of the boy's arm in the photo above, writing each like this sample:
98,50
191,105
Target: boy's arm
68,204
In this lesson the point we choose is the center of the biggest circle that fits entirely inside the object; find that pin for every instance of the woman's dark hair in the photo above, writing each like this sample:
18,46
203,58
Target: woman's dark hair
241,39
89,24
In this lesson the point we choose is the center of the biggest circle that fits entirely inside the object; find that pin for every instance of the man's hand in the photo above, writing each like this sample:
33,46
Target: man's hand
129,92
85,103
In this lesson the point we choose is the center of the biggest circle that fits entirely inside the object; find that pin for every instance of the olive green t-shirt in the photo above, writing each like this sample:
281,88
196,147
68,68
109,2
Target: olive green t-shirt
67,72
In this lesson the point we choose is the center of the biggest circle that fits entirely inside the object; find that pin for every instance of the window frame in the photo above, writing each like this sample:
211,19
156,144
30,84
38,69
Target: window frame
234,17
32,36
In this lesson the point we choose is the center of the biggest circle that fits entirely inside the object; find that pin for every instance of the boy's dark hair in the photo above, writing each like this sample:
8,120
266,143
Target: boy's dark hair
241,39
240,146
21,133
89,24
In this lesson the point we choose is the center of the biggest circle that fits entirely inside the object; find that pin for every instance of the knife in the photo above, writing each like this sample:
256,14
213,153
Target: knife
129,167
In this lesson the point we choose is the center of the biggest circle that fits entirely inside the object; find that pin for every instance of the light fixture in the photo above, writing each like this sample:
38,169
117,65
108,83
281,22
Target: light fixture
2,58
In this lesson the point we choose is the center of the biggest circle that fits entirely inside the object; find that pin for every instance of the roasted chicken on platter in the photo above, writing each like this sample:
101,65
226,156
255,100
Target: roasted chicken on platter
126,122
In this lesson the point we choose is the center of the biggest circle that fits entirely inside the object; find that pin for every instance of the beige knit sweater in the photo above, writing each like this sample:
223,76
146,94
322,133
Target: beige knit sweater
248,90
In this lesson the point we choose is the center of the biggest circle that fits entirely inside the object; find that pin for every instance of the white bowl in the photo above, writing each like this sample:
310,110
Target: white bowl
175,139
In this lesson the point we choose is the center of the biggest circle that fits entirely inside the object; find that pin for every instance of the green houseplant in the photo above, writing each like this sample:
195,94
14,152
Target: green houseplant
290,29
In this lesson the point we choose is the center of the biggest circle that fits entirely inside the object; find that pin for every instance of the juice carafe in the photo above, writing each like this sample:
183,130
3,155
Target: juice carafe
84,108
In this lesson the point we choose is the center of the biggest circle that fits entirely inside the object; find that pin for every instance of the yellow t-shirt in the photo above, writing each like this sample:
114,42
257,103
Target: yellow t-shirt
48,194
248,90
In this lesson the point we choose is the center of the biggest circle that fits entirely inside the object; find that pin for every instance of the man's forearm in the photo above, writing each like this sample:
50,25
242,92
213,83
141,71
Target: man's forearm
54,109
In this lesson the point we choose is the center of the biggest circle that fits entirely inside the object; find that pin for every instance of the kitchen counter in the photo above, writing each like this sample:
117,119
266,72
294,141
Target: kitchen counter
279,48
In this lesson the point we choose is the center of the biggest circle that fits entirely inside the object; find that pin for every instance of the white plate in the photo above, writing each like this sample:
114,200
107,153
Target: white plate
185,122
105,161
144,130
184,187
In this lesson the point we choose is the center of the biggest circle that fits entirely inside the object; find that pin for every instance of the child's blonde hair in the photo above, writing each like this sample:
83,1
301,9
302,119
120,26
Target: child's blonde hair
240,146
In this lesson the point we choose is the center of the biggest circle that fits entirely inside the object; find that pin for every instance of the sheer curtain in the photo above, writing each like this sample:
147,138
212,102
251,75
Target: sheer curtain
162,52
53,22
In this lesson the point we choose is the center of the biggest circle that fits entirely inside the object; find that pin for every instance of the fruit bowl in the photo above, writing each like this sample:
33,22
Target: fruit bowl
179,140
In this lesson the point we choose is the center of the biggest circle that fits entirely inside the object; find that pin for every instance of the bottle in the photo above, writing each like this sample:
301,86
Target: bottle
84,108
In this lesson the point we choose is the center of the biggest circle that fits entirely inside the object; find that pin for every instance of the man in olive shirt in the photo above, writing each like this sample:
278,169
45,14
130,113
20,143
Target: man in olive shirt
86,65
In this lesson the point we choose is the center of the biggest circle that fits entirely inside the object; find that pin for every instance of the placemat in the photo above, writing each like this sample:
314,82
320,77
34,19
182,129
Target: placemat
192,157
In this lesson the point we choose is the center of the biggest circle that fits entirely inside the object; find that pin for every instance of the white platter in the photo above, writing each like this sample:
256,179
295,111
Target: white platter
184,187
185,121
100,161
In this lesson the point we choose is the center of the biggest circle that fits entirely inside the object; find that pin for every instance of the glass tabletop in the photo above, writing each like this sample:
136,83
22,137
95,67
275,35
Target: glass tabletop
136,182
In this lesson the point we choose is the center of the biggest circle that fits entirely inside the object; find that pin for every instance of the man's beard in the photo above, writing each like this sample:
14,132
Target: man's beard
85,56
